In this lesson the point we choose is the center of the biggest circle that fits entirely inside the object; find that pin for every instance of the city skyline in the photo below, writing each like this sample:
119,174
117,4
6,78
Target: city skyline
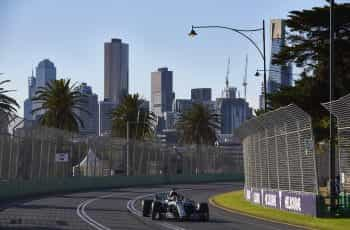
85,37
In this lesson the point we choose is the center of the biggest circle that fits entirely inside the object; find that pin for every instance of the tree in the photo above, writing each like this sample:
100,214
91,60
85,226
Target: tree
7,104
59,101
308,48
141,121
198,125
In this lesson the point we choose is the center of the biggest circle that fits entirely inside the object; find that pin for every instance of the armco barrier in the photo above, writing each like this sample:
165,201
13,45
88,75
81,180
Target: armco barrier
21,189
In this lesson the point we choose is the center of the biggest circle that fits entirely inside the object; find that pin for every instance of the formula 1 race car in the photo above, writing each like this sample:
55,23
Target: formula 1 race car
179,208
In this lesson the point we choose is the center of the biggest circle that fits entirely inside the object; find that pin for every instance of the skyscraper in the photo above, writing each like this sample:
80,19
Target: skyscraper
162,95
45,72
28,104
116,70
182,105
262,97
233,111
201,95
105,116
278,75
90,119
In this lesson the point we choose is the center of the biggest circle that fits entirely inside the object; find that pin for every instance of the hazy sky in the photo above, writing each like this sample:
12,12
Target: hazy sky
71,33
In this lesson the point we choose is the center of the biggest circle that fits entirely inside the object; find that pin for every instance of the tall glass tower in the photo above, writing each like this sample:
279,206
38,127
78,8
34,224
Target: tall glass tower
116,70
279,75
45,72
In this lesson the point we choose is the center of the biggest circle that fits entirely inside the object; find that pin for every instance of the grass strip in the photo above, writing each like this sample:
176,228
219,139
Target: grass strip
235,201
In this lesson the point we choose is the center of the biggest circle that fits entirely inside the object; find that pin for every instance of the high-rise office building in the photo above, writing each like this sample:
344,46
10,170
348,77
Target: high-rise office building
105,116
262,97
116,70
278,75
233,112
45,72
182,105
90,116
162,95
200,95
144,105
28,104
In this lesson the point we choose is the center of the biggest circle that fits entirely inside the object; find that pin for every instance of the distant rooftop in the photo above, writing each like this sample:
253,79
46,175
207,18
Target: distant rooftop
163,69
46,63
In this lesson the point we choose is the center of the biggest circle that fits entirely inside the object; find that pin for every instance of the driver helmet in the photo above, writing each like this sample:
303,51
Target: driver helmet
172,192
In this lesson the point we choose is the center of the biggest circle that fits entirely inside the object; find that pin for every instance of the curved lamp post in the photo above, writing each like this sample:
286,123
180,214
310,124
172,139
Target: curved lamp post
242,32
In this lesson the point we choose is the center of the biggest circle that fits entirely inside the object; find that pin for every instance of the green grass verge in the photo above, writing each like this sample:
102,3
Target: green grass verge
236,202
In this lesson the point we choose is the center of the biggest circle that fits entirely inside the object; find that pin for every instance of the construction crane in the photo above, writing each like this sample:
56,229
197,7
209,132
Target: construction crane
226,91
227,72
245,84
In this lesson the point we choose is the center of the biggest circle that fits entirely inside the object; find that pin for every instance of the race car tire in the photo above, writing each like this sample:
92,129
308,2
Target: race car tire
146,207
177,215
204,211
156,209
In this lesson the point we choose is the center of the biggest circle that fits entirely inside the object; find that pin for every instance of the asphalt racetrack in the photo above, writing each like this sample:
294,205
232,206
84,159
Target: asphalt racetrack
120,209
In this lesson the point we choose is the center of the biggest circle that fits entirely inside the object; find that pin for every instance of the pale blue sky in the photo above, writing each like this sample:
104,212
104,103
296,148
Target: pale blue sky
71,33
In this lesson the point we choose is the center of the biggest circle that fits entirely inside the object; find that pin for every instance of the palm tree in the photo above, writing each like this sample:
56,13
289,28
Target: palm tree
141,121
198,125
59,101
7,104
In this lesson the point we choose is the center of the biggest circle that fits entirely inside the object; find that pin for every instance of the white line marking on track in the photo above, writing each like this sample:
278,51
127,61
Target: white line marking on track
86,218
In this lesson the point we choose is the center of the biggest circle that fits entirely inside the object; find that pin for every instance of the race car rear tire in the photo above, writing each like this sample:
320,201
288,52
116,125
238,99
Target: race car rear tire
146,207
156,210
204,211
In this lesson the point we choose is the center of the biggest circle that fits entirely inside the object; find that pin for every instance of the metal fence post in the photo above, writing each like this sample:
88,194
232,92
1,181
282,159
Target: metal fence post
9,171
40,155
287,154
277,161
300,155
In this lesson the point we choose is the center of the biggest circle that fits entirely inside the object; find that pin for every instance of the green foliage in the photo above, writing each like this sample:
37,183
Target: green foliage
141,122
308,41
259,112
7,104
59,103
198,125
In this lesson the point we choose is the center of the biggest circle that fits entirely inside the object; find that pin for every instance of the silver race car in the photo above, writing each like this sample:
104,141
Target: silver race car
174,206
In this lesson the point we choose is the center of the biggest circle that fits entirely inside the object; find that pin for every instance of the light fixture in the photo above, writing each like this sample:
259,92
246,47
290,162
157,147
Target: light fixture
192,33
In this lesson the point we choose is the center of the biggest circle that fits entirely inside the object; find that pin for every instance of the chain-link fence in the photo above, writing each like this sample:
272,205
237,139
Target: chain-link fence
341,110
29,151
278,150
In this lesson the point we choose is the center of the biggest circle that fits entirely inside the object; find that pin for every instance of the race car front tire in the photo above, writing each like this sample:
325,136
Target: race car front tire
146,207
156,210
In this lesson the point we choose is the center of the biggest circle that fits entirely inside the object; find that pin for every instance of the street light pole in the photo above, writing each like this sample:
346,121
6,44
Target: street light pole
243,33
331,119
264,51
